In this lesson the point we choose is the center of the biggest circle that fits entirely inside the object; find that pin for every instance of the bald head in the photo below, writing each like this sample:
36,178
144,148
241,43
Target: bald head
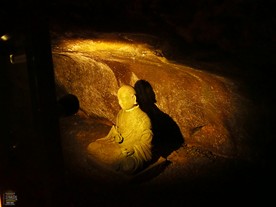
126,97
126,89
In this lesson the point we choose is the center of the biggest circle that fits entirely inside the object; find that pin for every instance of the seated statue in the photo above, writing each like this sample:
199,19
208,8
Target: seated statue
127,148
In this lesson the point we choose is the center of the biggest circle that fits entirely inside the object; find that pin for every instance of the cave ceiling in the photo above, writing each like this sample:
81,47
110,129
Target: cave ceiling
227,25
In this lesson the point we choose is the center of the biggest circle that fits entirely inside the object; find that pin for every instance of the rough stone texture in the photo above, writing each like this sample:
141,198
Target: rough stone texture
207,107
192,176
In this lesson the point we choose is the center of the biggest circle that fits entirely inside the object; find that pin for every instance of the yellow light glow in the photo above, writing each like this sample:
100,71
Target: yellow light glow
107,48
5,37
11,58
92,46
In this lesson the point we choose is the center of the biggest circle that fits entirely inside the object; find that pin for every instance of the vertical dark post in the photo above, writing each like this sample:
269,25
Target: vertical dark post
48,164
31,161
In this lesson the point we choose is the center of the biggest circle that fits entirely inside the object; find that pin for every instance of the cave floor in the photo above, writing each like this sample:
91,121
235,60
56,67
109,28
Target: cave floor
190,174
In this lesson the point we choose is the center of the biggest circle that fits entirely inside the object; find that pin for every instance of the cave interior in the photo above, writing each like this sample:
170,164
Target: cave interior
210,64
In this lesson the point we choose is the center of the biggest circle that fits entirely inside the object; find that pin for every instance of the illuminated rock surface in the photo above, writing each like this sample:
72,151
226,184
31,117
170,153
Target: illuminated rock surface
210,110
207,108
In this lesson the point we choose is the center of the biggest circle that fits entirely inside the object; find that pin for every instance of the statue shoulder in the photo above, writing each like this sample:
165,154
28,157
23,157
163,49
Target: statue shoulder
144,117
120,112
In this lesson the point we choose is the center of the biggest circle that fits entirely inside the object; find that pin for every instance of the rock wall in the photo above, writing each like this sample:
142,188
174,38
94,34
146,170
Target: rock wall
208,109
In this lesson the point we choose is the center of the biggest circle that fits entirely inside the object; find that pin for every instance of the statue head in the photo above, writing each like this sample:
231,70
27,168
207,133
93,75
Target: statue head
126,97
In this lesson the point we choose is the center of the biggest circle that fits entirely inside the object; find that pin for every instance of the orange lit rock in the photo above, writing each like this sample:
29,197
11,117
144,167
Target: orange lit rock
207,108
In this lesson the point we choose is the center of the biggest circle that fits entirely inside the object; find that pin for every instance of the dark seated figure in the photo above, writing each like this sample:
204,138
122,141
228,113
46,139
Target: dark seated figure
127,148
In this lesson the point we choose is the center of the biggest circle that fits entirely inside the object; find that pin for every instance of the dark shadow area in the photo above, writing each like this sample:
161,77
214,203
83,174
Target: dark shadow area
151,172
68,105
167,135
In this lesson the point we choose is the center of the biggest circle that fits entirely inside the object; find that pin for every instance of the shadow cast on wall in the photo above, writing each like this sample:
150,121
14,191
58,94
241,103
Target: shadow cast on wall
167,135
68,105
